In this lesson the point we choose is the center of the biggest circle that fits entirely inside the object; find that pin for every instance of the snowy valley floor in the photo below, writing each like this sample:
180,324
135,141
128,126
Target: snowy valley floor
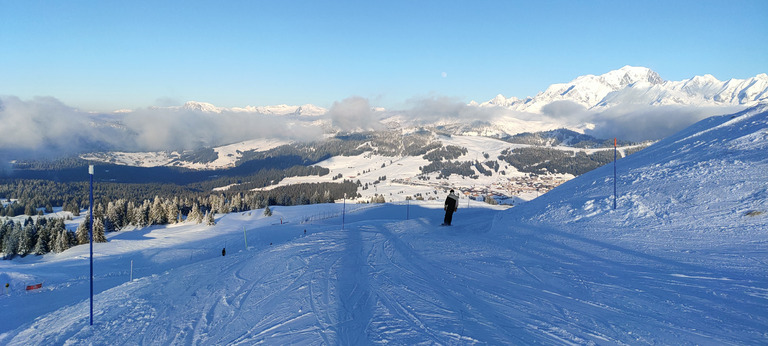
488,279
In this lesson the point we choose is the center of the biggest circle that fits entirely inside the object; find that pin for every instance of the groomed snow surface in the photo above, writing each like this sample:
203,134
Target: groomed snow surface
682,260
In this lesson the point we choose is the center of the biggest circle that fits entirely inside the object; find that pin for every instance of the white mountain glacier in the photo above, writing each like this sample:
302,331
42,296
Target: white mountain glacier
201,106
642,86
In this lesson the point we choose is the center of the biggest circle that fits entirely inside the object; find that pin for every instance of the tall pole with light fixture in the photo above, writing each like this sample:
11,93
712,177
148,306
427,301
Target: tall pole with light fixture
90,233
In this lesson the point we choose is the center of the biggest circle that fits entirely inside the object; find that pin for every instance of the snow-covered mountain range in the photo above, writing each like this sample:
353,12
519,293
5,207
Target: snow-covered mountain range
282,109
627,85
612,102
641,85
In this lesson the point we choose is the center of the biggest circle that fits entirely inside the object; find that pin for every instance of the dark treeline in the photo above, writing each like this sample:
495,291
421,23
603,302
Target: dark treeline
114,213
75,170
446,168
34,194
542,160
35,237
386,143
563,137
446,153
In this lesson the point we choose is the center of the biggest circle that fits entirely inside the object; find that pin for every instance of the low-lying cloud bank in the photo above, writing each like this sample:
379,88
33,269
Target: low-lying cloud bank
44,127
633,122
355,114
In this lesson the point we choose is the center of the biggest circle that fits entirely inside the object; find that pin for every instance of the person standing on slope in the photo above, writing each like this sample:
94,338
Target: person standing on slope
451,205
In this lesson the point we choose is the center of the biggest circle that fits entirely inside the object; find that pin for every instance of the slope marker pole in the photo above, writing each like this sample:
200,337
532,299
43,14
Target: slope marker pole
246,238
614,173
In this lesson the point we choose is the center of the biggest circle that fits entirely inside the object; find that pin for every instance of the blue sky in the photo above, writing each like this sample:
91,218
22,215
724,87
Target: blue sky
108,55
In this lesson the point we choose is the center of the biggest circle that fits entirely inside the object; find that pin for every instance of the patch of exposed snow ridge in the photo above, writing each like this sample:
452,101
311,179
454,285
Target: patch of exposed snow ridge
201,106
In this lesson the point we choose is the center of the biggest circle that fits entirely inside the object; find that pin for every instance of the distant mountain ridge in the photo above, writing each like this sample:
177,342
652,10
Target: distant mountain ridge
641,85
282,109
627,85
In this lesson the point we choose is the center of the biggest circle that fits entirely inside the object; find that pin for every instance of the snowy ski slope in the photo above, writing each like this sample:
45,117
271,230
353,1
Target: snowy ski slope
682,260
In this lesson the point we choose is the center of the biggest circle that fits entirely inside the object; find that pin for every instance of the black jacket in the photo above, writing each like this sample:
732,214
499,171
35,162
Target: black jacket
451,202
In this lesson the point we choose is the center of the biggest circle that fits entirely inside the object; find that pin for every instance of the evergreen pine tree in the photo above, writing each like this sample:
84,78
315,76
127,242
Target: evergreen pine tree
315,199
171,210
236,204
209,220
115,215
218,204
62,241
267,211
11,240
3,230
130,209
194,214
157,214
141,214
70,237
43,237
82,231
26,240
98,231
53,231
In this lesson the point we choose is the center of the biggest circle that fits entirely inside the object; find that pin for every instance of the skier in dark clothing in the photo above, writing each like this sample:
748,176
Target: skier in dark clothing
451,205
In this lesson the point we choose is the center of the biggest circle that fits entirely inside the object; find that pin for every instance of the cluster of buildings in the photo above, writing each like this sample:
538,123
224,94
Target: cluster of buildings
509,189
527,185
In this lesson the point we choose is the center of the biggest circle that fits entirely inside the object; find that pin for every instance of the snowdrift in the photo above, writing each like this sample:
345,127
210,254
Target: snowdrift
703,187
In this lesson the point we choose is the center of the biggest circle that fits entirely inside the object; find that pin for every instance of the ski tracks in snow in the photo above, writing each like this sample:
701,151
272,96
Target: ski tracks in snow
412,282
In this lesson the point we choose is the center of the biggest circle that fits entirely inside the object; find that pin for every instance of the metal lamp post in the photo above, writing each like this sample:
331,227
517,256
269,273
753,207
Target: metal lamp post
90,233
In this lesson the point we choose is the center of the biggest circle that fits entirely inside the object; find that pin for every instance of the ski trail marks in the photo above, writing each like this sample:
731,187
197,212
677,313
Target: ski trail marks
354,291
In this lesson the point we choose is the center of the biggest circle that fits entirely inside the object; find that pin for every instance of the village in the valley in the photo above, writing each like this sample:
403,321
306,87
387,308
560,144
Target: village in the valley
506,190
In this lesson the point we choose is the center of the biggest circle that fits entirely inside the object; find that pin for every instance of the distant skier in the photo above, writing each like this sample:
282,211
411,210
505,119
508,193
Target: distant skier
451,205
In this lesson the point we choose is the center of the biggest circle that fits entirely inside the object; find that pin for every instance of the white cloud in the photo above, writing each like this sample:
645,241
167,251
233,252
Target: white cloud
639,123
41,125
45,127
354,113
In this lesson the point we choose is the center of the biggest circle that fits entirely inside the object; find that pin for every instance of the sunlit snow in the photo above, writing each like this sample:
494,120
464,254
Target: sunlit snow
682,260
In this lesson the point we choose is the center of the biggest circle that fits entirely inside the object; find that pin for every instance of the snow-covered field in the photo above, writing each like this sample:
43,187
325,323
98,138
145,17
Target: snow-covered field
227,156
401,172
682,260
